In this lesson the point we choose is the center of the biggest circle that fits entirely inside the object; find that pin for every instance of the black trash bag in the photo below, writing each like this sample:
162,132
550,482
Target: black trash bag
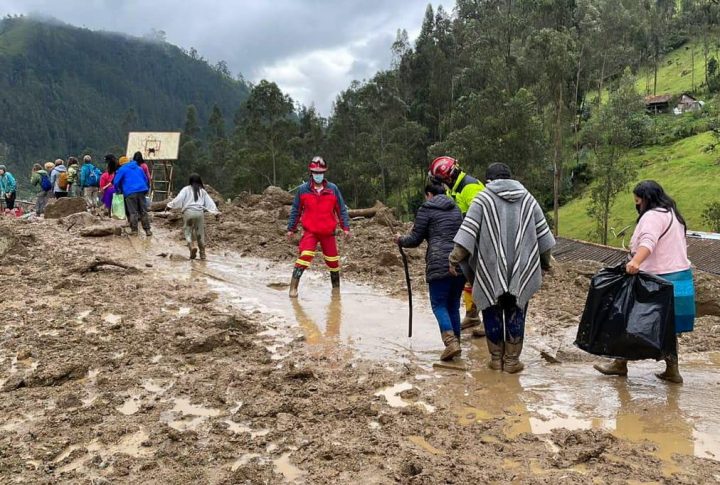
628,316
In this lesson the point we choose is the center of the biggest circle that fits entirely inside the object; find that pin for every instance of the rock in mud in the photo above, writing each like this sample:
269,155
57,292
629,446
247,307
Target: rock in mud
64,207
79,220
101,231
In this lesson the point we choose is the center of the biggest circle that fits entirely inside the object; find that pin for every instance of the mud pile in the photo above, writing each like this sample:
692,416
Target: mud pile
141,375
255,225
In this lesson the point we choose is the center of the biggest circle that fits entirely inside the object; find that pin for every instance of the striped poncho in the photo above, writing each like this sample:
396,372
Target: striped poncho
505,232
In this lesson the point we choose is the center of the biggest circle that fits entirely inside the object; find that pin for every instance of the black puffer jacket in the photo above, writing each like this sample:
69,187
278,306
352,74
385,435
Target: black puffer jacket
437,221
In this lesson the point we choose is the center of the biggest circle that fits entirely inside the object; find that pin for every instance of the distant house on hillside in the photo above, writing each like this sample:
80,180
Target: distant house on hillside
658,104
687,104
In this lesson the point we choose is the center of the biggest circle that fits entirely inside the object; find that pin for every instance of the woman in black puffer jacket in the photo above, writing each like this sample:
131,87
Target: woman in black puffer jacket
437,221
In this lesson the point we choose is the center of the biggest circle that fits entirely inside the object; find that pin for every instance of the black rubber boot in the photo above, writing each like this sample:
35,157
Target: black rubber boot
335,279
295,281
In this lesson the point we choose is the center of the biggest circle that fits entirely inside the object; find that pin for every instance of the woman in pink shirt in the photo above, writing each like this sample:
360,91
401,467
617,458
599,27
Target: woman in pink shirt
658,246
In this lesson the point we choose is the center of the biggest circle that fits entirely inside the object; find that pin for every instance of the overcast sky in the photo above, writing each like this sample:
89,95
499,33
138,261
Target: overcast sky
312,48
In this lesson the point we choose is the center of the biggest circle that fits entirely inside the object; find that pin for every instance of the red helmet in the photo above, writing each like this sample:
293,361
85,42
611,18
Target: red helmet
442,168
317,164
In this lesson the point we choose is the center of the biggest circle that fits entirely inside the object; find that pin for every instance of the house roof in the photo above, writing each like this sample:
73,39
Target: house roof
659,99
703,252
690,96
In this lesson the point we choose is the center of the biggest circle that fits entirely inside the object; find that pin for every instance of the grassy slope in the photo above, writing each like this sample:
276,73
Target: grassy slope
674,75
688,174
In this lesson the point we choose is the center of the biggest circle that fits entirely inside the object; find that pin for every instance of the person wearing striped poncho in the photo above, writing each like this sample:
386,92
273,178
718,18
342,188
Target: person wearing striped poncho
504,241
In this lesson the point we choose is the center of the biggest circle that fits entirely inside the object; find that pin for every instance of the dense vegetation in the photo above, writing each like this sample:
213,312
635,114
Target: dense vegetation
67,91
551,87
516,81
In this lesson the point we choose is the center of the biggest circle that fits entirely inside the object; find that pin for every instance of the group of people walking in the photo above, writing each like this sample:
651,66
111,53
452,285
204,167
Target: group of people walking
492,242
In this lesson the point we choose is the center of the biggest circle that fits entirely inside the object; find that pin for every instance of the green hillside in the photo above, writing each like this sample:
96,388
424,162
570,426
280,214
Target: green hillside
65,89
690,175
675,75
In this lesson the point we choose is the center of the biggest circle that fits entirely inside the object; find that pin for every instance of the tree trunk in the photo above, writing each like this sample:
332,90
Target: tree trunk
692,56
557,175
602,80
576,118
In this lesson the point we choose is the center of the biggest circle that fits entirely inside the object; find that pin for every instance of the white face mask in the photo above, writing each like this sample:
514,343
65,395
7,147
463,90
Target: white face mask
318,177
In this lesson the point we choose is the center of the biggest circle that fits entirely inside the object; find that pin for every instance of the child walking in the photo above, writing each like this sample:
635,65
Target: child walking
193,200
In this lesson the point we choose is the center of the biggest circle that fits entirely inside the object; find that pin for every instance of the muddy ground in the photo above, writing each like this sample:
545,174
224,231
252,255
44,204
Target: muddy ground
144,375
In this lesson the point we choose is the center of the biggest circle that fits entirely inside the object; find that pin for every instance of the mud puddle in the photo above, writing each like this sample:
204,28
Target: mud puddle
365,323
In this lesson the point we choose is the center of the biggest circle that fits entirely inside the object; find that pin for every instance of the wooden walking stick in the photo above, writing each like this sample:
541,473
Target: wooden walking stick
409,288
407,276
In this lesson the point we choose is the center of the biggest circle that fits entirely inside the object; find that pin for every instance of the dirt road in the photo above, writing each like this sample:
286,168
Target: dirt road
205,372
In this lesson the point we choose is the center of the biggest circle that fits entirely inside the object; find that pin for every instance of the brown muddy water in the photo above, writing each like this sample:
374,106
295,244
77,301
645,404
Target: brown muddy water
362,322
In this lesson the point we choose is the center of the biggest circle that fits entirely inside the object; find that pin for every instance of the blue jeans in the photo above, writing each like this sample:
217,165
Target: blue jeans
445,301
504,321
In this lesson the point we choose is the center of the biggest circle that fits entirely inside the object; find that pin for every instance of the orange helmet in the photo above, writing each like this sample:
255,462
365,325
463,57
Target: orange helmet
442,168
317,164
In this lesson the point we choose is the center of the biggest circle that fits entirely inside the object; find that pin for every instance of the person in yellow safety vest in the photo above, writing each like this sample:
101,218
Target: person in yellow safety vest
462,188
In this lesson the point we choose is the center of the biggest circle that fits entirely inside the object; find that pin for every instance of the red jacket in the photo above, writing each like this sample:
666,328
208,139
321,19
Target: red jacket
319,212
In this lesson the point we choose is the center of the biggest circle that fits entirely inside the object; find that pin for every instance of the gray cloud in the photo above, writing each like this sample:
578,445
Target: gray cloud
312,48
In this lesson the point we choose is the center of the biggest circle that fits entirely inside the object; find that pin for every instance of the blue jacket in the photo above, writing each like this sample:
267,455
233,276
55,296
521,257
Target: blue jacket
7,183
130,179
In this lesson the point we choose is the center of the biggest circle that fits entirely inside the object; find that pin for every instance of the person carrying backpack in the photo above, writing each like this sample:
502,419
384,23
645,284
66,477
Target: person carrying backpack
41,180
8,187
90,182
73,175
59,179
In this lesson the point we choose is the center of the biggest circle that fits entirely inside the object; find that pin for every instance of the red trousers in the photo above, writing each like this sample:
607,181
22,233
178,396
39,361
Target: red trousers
308,245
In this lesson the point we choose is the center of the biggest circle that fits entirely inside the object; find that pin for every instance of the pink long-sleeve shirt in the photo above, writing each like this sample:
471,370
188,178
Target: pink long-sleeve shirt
667,254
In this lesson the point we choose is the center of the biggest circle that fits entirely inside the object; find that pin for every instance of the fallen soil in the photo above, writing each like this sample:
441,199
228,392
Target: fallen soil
141,375
255,225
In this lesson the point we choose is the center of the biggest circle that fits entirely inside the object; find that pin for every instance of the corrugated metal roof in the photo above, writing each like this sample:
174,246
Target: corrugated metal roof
704,254
572,250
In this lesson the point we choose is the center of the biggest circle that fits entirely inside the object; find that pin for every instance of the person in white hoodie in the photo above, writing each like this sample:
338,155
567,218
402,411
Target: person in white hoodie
193,200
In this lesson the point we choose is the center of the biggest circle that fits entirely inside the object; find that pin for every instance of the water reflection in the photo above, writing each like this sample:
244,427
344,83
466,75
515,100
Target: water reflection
328,335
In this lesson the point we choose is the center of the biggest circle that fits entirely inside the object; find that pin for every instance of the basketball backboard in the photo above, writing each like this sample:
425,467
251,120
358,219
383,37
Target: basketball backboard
154,145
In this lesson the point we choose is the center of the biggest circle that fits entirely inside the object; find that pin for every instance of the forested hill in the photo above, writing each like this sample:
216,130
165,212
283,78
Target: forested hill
66,90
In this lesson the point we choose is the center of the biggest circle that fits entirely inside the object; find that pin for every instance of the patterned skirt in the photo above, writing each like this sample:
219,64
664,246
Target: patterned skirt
684,291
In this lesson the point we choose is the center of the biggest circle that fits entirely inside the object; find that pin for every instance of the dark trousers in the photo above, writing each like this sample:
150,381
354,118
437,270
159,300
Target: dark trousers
10,200
137,210
445,296
505,321
60,195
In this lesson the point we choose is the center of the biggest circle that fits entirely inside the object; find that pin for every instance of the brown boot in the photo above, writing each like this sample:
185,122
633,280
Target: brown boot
472,320
193,251
672,371
202,253
618,367
496,355
295,282
452,346
511,357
